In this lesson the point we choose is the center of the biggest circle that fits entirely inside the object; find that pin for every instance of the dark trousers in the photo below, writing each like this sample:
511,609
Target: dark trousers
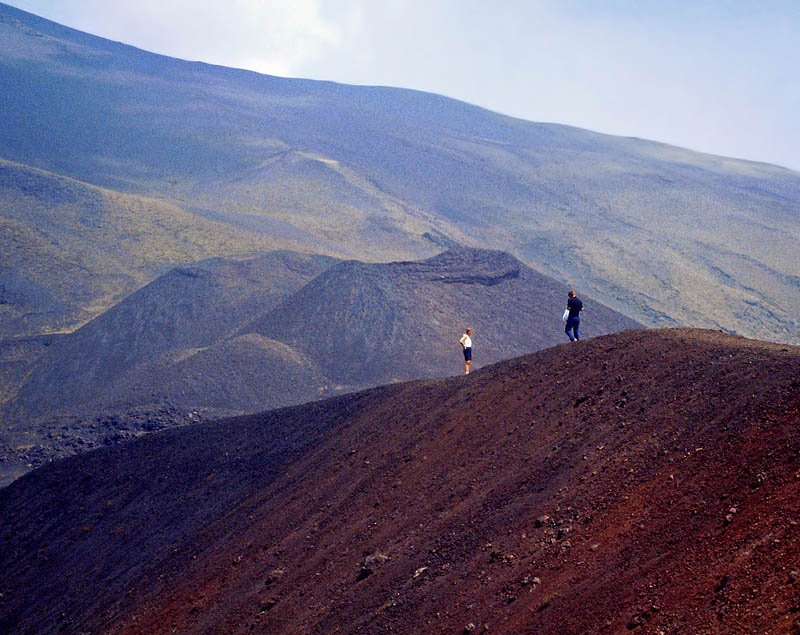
572,325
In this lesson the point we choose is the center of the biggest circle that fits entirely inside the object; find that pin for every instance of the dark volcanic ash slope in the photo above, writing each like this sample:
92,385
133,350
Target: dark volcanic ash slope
189,308
240,374
375,323
649,479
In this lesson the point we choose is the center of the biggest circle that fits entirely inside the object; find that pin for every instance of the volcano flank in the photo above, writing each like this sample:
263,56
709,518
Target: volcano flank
643,480
117,164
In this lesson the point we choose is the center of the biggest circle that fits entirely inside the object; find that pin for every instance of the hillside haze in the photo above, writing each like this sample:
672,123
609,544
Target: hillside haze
643,480
230,337
662,234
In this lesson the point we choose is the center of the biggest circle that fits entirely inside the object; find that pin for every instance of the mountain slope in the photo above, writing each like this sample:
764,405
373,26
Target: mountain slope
644,479
18,357
227,337
188,308
244,373
664,235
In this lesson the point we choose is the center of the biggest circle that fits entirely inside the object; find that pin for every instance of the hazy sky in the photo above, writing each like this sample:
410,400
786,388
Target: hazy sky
719,76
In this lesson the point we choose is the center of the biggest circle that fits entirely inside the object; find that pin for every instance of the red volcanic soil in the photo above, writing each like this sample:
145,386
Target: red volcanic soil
645,481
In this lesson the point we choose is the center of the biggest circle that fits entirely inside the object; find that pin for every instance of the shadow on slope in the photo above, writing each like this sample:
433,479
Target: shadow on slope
648,478
242,373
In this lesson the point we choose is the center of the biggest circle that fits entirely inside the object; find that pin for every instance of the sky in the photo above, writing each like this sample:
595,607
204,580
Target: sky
719,76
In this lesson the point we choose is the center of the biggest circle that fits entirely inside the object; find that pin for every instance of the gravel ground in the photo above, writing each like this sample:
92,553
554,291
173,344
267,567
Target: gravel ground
645,481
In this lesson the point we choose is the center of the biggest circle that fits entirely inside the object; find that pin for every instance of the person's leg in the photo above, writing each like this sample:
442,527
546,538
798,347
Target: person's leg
568,328
575,328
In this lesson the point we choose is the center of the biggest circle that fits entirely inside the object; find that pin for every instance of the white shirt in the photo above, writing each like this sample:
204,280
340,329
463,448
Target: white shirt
467,341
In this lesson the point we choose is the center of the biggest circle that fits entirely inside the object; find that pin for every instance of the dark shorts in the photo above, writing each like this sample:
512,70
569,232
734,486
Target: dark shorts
468,354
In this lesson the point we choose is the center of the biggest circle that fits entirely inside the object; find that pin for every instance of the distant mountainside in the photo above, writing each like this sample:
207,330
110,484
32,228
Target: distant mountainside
71,250
644,481
227,337
664,235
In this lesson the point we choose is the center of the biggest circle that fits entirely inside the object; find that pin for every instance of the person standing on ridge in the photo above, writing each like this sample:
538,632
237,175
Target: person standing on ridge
574,306
466,344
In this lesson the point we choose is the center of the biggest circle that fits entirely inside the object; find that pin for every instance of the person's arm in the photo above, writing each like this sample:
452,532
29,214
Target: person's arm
461,341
